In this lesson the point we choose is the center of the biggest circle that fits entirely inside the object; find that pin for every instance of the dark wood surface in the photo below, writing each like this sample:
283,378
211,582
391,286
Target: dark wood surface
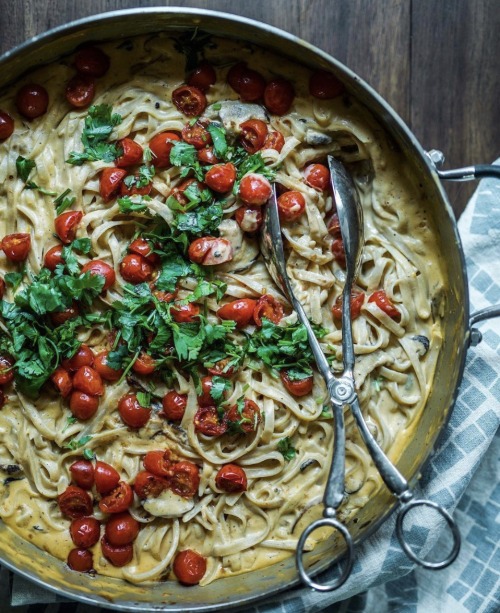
435,61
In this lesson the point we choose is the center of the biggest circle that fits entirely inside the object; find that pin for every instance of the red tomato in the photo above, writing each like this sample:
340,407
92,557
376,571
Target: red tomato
185,313
249,218
85,531
107,373
98,267
240,311
357,300
82,473
234,75
339,252
62,381
189,567
221,177
60,317
185,480
6,125
147,485
121,529
161,145
174,405
141,246
135,269
80,560
106,477
297,387
206,400
118,500
92,61
162,296
268,307
317,176
334,226
53,257
189,100
278,96
253,135
75,502
66,224
231,478
117,555
210,251
132,413
144,365
80,91
133,190
255,189
384,303
222,369
251,85
16,246
274,140
83,357
178,192
325,85
207,422
207,156
249,417
88,380
202,77
6,370
32,100
291,205
82,405
159,463
132,153
196,135
110,182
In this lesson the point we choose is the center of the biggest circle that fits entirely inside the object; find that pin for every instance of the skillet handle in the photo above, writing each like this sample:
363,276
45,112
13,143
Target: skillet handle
475,336
469,173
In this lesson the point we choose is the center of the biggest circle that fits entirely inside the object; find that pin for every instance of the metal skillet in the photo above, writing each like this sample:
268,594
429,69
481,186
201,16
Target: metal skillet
342,389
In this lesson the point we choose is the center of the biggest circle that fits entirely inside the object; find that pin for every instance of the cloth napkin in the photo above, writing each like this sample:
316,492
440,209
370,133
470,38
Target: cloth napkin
462,475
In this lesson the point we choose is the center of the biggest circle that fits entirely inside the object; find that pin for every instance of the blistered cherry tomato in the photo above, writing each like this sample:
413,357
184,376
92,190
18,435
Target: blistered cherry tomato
85,531
32,100
161,145
62,381
268,307
6,125
253,135
297,387
338,251
189,567
75,502
6,370
132,153
117,555
240,311
143,247
185,480
102,367
66,224
207,422
202,77
92,61
159,462
53,257
162,296
251,85
106,477
384,303
147,485
324,85
231,478
135,269
174,405
274,140
88,380
80,91
247,419
132,413
83,357
210,251
185,313
110,182
291,205
144,365
249,218
357,300
82,473
59,317
118,500
317,176
83,406
16,246
189,100
221,368
196,135
121,529
333,226
221,177
205,399
255,189
207,156
98,267
234,75
278,96
80,560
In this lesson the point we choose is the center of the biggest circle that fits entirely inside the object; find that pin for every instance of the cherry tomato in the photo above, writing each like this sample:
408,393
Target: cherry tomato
80,560
207,422
6,370
85,531
333,226
317,176
110,182
6,125
135,269
88,380
234,75
291,205
92,61
32,100
121,529
132,413
268,307
82,405
357,300
274,140
106,477
339,252
159,463
185,480
240,311
82,473
231,478
210,251
144,365
16,246
62,381
384,303
161,145
83,357
251,85
297,387
2,288
324,85
185,313
174,405
189,567
117,555
132,153
118,500
53,257
253,135
75,502
207,156
205,399
134,190
178,191
221,177
278,96
80,91
248,419
98,267
202,77
255,189
189,100
222,369
107,373
59,317
66,225
196,135
147,485
249,218
162,296
141,246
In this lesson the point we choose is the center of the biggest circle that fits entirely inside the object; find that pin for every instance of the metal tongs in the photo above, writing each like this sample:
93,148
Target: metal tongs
342,389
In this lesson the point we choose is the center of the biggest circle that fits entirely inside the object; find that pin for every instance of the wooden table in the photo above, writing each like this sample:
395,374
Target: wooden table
435,61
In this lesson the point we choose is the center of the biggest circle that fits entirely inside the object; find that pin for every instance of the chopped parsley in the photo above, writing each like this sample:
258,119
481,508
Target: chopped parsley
99,124
133,204
75,444
24,168
63,202
286,448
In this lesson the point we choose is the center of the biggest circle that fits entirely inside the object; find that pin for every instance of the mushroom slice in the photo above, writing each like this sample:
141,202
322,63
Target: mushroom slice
232,113
168,504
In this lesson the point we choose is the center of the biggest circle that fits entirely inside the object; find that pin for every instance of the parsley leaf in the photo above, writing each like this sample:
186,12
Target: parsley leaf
99,124
144,399
172,270
133,204
14,279
24,167
80,244
117,357
286,448
218,134
185,156
204,221
219,387
143,177
255,163
75,444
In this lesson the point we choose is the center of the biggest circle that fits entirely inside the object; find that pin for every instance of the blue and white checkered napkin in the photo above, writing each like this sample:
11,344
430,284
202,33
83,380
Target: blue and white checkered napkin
462,474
